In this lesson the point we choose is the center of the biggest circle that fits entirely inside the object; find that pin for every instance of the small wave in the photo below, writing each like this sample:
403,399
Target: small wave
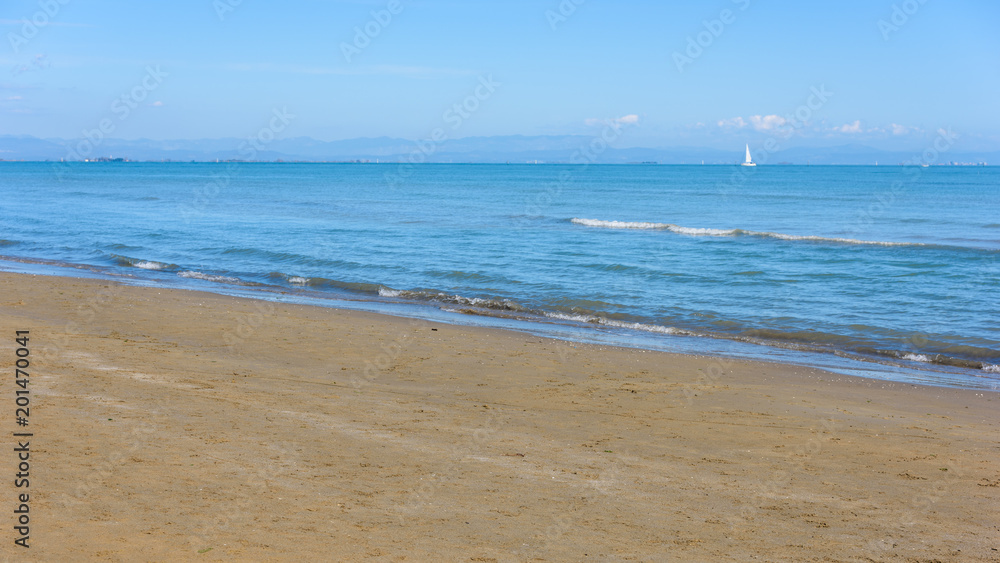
619,324
702,232
324,283
61,264
141,264
937,359
293,280
992,226
613,267
8,242
991,368
119,246
592,314
291,259
497,304
460,275
190,274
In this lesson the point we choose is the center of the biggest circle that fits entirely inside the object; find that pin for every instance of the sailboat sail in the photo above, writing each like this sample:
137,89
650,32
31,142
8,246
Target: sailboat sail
748,161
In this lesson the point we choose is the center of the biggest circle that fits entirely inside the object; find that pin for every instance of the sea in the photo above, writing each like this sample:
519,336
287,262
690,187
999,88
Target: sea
887,272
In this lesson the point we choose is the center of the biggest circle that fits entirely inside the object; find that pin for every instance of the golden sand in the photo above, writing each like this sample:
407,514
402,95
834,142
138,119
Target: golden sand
178,425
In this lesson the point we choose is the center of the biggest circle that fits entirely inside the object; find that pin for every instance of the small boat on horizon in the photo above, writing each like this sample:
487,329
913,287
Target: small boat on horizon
748,161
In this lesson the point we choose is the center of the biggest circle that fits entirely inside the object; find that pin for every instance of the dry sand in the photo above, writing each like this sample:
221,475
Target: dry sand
175,425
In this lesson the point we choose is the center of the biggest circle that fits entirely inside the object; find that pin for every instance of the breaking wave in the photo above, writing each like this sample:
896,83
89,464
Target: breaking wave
141,264
191,274
620,324
705,232
496,304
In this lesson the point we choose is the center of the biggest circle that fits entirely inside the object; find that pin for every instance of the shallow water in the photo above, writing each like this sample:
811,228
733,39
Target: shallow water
892,266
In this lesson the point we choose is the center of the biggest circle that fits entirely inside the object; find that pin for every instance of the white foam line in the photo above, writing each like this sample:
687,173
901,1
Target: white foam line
690,231
209,277
618,324
150,265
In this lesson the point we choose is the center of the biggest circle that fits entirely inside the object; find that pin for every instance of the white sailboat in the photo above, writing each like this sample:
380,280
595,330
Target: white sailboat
749,162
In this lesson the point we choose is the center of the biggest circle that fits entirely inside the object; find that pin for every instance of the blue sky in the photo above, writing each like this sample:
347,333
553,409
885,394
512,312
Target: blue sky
558,68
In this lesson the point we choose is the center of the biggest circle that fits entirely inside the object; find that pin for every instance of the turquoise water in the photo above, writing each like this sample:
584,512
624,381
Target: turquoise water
887,265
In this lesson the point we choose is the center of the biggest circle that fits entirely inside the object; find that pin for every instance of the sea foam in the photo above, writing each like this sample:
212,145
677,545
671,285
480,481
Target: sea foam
150,265
618,324
703,232
190,274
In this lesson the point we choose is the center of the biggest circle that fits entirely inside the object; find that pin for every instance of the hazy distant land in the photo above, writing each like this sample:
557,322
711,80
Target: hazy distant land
497,149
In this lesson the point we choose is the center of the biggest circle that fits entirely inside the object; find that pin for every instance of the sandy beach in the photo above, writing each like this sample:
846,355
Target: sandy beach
180,425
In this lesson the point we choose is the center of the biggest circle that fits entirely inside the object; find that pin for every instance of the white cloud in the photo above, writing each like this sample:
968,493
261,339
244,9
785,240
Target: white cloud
904,130
849,127
630,119
766,122
947,134
758,122
736,122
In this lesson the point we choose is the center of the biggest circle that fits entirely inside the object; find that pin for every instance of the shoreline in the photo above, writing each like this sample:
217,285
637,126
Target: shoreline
364,162
557,327
183,424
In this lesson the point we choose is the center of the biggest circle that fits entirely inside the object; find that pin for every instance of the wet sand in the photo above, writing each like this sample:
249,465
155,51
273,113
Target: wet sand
180,425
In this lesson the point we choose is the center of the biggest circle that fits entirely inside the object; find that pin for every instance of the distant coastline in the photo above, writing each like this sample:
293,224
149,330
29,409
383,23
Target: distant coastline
512,149
471,163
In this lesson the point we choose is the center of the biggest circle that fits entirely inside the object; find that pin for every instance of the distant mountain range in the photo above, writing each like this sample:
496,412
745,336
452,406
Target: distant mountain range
513,149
